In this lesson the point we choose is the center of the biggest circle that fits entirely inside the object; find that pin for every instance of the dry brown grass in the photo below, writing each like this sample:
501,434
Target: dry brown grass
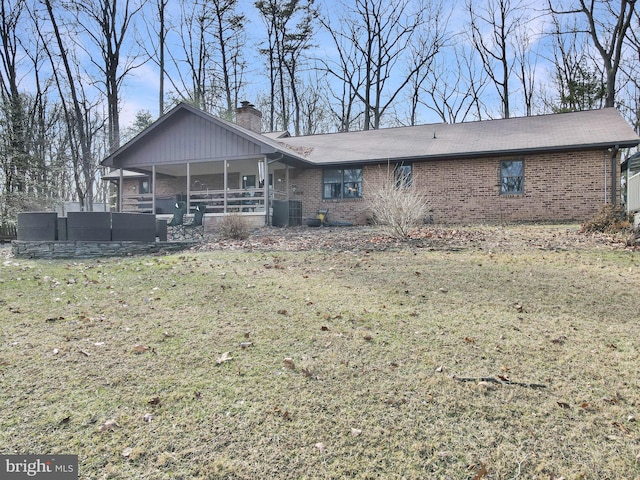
378,340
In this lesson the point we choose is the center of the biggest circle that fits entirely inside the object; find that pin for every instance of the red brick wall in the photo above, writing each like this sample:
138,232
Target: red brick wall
557,187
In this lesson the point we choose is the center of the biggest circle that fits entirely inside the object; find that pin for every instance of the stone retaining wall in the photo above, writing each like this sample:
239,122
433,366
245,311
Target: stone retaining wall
86,249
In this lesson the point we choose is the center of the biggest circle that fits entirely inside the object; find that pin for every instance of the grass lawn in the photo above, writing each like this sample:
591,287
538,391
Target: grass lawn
173,367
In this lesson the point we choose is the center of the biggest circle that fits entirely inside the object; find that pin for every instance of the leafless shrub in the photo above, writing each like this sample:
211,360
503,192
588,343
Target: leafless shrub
610,219
233,227
396,202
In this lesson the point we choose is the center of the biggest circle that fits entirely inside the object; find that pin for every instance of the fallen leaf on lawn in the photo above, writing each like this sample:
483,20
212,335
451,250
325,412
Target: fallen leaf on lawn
504,369
288,363
127,451
282,311
621,427
469,340
368,337
481,473
109,425
307,373
65,420
154,401
443,290
563,405
148,417
54,319
324,328
519,307
355,432
225,357
140,348
486,386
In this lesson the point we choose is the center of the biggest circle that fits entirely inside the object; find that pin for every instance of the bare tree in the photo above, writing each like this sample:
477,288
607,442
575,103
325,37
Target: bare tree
14,157
190,77
154,46
578,84
606,23
314,106
454,89
289,32
229,35
371,45
162,40
493,24
106,24
77,110
630,67
209,72
525,66
426,45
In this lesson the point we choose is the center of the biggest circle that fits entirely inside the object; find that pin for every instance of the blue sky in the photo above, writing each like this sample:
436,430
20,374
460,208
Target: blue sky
140,89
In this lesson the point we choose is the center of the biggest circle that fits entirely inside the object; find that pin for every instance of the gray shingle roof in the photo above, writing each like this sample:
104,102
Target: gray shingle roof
589,129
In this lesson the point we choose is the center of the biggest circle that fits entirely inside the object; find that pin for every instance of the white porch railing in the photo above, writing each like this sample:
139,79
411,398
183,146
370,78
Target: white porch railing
231,201
633,193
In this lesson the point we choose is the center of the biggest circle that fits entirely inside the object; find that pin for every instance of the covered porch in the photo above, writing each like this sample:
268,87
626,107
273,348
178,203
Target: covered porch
244,187
209,164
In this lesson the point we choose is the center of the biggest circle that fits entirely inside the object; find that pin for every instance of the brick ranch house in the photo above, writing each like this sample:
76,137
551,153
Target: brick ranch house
559,167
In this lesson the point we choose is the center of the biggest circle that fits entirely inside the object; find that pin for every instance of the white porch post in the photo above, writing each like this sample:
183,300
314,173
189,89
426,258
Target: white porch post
120,190
225,187
266,192
188,187
153,189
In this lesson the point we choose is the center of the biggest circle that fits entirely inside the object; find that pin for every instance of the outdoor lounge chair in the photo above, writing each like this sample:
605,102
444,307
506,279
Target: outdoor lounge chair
196,227
176,225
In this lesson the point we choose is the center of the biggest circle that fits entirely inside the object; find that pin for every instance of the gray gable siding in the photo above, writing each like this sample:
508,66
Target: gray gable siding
187,138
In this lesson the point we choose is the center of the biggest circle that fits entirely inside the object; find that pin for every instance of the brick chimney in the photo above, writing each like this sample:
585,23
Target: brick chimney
249,117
